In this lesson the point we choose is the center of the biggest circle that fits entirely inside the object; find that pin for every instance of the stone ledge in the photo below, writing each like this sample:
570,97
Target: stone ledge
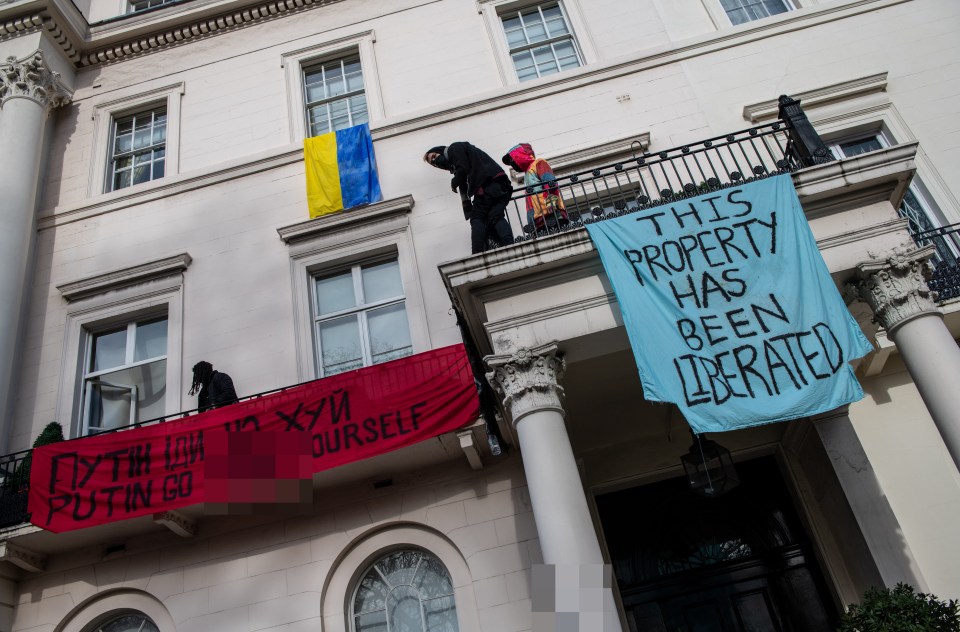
117,279
347,219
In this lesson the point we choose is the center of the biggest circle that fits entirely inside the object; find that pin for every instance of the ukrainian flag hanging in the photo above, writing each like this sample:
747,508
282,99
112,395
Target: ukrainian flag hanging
341,170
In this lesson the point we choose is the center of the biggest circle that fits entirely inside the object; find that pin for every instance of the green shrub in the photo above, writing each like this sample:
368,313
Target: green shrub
901,610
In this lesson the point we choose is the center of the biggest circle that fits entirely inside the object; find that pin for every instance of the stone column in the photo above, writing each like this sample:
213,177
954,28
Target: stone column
875,517
528,381
896,290
28,91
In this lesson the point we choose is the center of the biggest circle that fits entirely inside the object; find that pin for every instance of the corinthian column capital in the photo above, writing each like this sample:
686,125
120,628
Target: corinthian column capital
31,78
896,288
528,379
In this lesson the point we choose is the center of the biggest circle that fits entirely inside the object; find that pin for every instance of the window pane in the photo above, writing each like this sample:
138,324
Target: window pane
158,169
398,568
523,62
403,610
141,173
143,135
567,54
313,82
318,120
389,333
339,116
122,143
381,281
335,293
340,345
109,350
432,579
334,79
534,26
862,146
111,395
151,340
372,622
371,594
121,180
358,110
441,614
354,75
514,32
130,623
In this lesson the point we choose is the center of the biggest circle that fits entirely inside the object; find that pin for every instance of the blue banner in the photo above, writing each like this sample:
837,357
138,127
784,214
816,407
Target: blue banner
730,309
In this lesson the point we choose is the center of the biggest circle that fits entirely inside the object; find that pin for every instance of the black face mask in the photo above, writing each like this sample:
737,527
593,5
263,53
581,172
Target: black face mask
442,162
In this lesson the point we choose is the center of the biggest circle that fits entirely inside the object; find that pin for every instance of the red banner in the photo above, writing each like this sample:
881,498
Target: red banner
336,420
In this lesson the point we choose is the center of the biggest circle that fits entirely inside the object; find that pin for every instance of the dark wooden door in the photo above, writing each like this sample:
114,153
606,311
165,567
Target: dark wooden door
737,563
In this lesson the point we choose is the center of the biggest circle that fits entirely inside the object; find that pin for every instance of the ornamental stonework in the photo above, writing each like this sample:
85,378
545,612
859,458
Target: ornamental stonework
896,289
30,78
528,380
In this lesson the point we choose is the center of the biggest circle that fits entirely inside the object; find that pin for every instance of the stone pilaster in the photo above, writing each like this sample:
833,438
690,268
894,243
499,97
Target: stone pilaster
528,380
31,78
896,288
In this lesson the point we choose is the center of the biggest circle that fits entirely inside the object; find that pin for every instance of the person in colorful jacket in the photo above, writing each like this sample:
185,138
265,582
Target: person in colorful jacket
545,207
484,188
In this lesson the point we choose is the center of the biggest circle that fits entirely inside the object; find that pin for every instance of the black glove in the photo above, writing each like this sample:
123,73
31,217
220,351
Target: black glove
453,184
467,208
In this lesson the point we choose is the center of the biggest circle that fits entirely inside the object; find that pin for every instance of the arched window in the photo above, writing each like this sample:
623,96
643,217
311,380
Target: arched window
129,622
405,591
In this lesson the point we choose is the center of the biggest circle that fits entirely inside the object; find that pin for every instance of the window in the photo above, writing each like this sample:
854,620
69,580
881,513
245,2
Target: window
540,41
742,11
128,623
334,95
124,380
916,208
140,5
138,148
360,317
406,590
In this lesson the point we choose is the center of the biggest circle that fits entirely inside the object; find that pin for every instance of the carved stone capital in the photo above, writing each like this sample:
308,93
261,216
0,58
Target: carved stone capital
896,288
528,380
31,78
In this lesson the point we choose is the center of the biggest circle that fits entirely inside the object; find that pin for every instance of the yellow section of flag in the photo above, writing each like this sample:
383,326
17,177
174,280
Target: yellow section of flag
323,175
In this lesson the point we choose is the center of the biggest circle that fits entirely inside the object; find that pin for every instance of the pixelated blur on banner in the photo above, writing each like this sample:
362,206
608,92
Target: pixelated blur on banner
334,421
262,472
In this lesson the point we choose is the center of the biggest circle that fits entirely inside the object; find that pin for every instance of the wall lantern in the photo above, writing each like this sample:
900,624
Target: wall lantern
709,467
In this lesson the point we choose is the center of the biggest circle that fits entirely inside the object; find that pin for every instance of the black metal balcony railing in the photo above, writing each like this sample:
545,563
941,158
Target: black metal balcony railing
661,177
945,280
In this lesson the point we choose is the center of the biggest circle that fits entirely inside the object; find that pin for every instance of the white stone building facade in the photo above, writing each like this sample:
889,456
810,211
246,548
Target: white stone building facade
152,201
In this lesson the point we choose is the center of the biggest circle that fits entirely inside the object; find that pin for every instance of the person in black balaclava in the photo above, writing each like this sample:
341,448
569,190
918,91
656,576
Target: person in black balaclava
213,388
476,175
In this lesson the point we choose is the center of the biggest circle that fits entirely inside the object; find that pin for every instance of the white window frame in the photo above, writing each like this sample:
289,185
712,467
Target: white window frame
104,115
130,347
885,139
153,111
96,312
365,571
360,310
492,12
343,239
721,20
293,63
130,4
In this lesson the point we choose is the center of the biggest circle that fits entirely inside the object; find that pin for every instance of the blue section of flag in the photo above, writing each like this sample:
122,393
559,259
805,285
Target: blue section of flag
730,309
359,182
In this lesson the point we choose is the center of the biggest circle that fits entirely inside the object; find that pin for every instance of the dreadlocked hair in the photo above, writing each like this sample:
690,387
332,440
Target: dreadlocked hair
202,372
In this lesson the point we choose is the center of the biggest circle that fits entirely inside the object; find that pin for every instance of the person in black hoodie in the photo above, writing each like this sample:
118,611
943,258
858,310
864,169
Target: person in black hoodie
478,176
213,388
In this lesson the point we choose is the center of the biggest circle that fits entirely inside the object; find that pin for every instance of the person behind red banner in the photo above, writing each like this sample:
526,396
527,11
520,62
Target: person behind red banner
213,388
544,205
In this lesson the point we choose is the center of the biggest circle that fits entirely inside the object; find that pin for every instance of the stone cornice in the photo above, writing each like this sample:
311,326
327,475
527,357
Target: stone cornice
30,78
768,110
349,219
101,283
